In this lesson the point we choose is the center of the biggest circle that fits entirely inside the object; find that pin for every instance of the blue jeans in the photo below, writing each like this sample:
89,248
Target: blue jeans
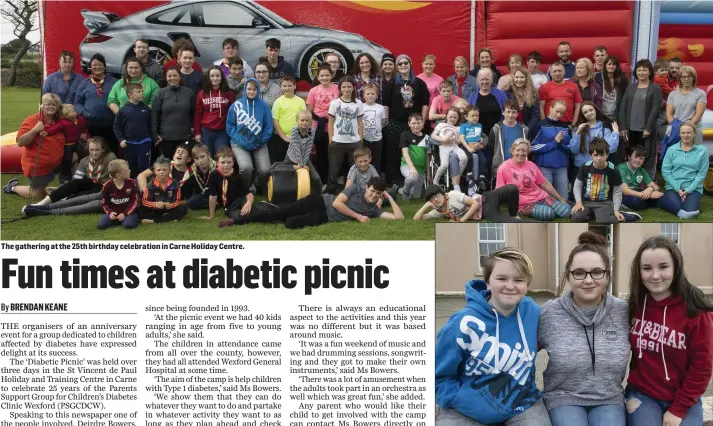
671,202
558,179
129,222
636,203
479,164
649,411
598,415
138,156
214,140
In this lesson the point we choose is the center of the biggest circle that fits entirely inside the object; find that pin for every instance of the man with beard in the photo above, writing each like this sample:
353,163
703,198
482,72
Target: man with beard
152,68
564,52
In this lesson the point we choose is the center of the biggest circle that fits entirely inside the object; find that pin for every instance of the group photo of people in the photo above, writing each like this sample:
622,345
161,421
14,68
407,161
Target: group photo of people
582,140
511,354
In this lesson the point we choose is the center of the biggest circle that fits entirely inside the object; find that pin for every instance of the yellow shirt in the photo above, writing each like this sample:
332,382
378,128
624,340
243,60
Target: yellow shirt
285,110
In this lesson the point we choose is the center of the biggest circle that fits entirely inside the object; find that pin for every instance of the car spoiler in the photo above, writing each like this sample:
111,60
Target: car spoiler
95,21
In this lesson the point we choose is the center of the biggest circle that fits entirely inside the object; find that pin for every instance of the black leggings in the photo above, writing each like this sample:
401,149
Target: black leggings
160,216
309,211
492,200
321,142
74,187
391,153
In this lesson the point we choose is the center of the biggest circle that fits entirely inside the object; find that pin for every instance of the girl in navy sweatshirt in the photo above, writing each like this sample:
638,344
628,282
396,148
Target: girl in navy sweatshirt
212,105
671,339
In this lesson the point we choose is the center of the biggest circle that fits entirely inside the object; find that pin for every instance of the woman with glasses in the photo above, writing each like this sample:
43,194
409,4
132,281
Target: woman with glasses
585,334
269,89
404,95
91,102
688,102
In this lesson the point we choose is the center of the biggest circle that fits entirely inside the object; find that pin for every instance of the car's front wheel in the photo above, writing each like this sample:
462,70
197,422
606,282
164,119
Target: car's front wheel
316,56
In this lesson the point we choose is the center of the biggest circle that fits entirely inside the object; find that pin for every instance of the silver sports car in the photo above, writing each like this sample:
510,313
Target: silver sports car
207,24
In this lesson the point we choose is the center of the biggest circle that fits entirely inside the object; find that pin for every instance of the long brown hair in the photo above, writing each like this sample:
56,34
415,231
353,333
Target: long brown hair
620,79
587,241
584,137
208,86
692,296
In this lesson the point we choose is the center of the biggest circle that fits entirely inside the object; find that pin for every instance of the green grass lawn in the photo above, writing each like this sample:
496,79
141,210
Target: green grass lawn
17,104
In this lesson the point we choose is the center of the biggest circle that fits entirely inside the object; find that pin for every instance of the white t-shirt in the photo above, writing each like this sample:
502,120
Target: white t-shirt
446,132
457,208
346,120
538,79
373,116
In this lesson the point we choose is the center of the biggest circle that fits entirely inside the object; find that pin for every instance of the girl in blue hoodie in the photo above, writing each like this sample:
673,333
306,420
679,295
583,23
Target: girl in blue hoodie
485,354
550,147
594,125
249,126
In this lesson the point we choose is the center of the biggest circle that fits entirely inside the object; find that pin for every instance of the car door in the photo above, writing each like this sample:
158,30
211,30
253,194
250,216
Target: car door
223,19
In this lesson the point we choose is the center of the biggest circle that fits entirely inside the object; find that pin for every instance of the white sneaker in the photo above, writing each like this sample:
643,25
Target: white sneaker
404,195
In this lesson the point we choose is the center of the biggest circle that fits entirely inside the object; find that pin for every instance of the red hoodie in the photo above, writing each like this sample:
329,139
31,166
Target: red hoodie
681,372
667,86
212,111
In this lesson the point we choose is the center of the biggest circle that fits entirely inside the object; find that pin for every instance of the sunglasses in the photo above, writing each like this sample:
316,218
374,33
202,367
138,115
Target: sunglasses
403,64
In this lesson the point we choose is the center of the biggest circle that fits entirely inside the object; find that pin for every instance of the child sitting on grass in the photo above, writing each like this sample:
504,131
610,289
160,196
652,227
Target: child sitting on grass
227,188
640,192
200,171
597,188
413,144
180,172
299,151
120,197
160,202
362,171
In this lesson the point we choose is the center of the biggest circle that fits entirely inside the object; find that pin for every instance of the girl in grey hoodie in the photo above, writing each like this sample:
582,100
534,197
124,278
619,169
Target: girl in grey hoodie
585,334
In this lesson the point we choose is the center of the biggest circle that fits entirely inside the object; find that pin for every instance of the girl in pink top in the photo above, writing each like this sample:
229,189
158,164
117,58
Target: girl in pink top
538,198
432,80
318,101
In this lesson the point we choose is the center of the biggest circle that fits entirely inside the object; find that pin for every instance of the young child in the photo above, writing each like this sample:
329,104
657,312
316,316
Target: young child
180,172
346,129
236,78
550,148
227,189
200,171
120,197
597,188
318,101
447,135
362,171
211,112
459,207
75,133
471,138
300,150
662,79
374,121
504,133
284,116
161,200
132,127
413,144
190,77
443,102
640,192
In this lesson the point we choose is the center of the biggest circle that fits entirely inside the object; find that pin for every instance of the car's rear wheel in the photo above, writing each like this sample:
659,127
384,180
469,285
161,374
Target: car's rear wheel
159,52
317,55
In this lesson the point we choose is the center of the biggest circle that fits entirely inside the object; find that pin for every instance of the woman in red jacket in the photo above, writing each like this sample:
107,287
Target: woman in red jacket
671,339
212,104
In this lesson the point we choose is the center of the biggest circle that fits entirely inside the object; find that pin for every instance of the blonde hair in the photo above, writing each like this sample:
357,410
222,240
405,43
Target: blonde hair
515,56
303,113
51,98
693,128
66,110
688,70
429,56
590,67
512,255
462,61
115,166
518,142
529,95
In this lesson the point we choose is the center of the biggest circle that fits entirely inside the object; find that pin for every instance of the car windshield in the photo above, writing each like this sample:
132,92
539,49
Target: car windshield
275,17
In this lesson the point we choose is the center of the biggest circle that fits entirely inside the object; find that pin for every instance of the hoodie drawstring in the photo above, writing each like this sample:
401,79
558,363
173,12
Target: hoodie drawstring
591,345
663,357
523,337
497,341
641,334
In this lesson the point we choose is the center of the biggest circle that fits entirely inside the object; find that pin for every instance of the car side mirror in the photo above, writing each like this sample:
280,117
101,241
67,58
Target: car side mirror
260,23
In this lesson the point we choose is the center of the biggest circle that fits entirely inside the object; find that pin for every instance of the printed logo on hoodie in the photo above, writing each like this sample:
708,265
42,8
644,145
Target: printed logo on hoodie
650,335
215,102
249,121
513,360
